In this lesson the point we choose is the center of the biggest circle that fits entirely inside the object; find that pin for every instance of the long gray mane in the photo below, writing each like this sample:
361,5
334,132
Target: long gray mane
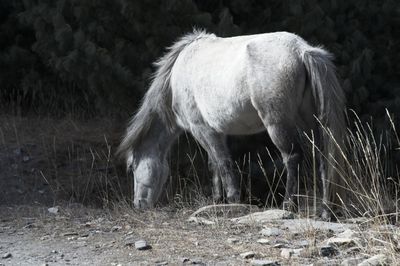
157,100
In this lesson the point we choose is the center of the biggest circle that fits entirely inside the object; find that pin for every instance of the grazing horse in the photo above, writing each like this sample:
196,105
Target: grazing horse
213,87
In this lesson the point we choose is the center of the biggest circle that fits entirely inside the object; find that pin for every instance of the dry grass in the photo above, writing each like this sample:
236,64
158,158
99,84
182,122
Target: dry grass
73,161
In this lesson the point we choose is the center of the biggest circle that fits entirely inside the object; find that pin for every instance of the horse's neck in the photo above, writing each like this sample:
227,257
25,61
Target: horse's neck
159,138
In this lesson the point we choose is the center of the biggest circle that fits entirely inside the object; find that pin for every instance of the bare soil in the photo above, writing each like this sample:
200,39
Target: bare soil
82,236
69,164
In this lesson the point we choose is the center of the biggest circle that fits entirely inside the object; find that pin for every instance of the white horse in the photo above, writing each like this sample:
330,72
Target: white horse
213,87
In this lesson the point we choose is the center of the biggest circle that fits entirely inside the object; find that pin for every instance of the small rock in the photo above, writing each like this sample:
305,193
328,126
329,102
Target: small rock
287,253
197,262
184,260
341,242
53,210
272,231
264,263
224,210
161,262
18,151
353,250
301,243
116,228
232,240
326,261
264,241
200,221
327,251
348,233
223,263
6,255
351,261
70,234
377,260
279,245
247,255
303,224
142,245
263,217
130,240
357,220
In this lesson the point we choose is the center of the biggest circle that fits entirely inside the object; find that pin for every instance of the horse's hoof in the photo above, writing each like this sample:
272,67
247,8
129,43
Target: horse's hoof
234,197
289,205
142,204
326,215
217,198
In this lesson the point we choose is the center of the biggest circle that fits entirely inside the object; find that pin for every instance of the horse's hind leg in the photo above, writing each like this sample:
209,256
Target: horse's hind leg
219,161
216,180
285,138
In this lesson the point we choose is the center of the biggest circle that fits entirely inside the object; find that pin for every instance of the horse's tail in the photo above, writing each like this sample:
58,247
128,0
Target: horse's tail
157,100
330,102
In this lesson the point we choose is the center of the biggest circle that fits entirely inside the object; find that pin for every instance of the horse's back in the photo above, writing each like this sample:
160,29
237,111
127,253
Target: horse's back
224,79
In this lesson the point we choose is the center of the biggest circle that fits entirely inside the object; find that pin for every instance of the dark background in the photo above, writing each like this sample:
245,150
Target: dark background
94,57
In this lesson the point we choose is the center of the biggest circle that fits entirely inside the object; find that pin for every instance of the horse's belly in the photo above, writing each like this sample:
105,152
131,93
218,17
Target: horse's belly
233,119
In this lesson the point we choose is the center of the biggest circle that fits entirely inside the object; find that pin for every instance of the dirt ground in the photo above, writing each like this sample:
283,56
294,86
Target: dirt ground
46,162
69,166
82,236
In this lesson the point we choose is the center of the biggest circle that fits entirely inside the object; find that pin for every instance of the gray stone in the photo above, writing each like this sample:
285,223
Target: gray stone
224,210
200,220
247,255
264,263
116,228
263,217
184,260
161,262
232,240
53,210
18,151
6,255
326,261
357,220
287,253
223,263
301,243
351,261
348,233
130,241
264,241
328,251
377,260
142,245
341,242
271,231
197,262
303,225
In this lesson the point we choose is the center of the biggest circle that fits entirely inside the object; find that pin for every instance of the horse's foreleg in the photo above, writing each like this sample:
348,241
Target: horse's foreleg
220,163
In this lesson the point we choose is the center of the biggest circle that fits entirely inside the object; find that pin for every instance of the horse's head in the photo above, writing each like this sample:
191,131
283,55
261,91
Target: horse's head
149,173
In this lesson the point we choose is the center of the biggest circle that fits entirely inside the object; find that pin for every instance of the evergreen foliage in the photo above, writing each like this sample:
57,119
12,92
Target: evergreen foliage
94,56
